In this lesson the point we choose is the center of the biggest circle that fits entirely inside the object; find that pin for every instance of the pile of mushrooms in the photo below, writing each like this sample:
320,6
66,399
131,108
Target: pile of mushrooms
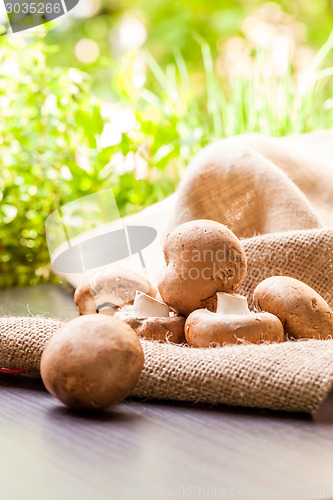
96,359
197,300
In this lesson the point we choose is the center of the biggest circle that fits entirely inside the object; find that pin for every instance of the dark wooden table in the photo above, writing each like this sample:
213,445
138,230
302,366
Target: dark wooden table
152,449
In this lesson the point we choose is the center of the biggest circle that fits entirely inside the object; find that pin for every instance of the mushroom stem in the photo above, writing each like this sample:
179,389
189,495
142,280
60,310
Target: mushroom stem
146,307
228,303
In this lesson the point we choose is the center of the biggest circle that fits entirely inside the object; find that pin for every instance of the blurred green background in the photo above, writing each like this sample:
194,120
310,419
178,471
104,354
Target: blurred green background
122,94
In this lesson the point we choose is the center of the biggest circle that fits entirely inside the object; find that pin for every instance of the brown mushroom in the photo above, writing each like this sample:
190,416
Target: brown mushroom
203,257
303,312
231,324
105,291
92,362
152,320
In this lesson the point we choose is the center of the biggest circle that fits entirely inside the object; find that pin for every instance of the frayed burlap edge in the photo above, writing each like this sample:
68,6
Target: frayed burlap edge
292,376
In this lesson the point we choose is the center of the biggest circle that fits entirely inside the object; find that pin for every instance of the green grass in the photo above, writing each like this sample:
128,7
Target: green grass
40,143
255,101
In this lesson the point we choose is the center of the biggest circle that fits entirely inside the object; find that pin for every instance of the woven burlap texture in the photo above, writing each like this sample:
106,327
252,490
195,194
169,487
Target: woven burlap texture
277,196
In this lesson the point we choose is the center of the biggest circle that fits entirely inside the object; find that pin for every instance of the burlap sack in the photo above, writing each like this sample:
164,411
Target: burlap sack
277,196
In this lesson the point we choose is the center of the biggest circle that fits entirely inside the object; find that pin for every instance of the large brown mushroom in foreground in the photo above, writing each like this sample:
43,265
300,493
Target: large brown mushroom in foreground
303,312
152,319
105,291
202,257
92,362
232,323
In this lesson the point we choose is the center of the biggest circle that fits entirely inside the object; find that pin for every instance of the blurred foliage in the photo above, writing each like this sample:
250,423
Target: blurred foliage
168,26
129,118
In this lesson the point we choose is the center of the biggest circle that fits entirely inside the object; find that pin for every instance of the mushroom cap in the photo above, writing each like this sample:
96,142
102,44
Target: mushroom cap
202,257
92,362
303,312
111,287
204,328
169,329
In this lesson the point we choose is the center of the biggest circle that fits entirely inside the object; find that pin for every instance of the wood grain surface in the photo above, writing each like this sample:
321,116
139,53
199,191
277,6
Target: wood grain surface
151,449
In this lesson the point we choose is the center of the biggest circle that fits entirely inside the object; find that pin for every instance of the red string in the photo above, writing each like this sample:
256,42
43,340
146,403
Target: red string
6,370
